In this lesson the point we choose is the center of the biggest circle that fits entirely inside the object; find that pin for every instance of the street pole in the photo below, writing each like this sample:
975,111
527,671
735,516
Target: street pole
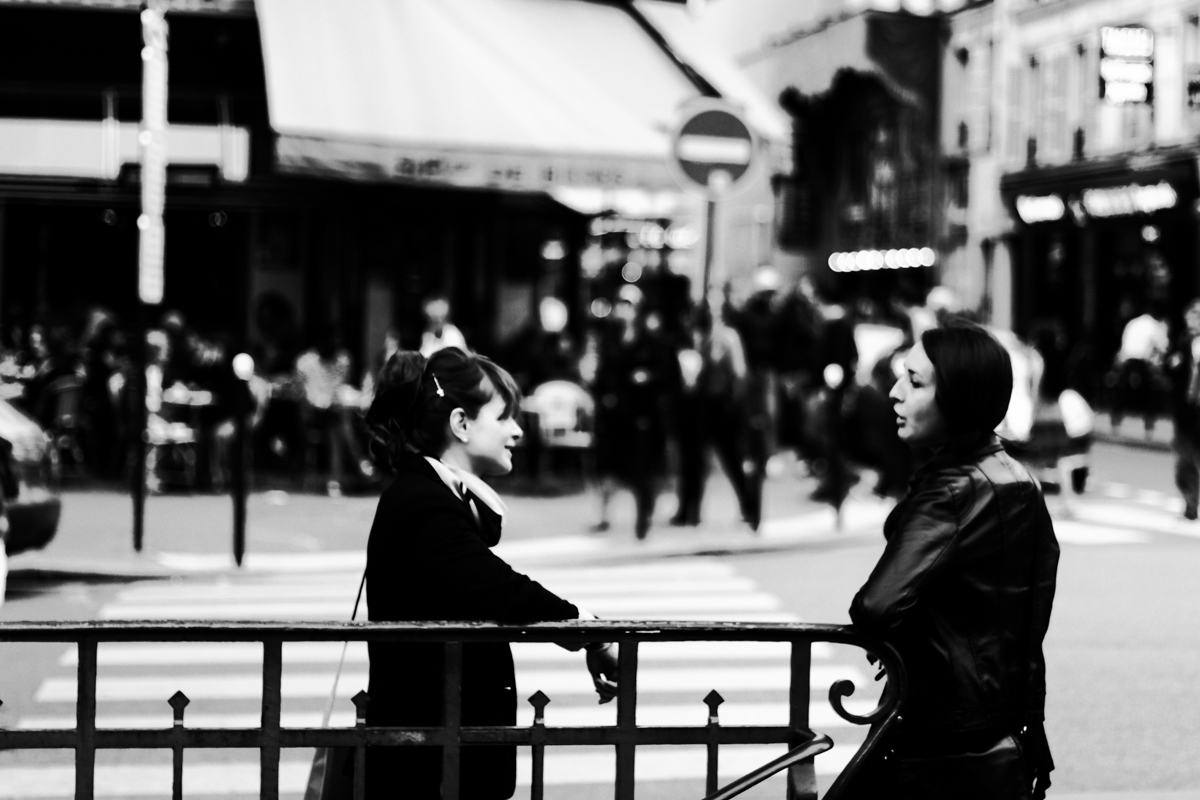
137,391
152,146
243,369
710,224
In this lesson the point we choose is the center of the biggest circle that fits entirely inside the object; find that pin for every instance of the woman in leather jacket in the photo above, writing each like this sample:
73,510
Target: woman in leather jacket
965,585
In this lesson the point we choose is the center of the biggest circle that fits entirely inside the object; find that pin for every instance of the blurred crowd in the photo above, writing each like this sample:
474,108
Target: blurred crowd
768,378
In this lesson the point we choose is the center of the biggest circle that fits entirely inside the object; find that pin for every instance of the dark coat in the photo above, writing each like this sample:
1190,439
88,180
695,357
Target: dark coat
954,591
428,559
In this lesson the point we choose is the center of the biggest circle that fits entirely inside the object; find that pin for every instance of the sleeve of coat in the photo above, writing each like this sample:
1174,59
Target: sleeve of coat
475,583
916,552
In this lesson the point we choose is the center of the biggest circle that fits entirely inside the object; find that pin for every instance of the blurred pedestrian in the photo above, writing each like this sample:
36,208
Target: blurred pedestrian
439,331
755,322
965,585
711,413
637,376
97,409
328,407
1183,367
543,350
837,363
1144,344
441,425
795,356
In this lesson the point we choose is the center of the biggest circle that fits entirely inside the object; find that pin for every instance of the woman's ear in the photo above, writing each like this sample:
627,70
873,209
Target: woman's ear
458,425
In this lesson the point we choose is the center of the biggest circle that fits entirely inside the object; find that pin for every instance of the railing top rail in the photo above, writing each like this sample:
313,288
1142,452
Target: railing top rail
571,631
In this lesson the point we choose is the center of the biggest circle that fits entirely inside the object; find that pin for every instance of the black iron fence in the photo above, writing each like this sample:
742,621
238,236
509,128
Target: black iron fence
626,736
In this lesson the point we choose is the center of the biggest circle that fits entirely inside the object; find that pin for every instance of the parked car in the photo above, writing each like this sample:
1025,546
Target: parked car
27,467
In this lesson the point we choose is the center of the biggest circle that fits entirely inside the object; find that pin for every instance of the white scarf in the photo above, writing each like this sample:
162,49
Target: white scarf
457,479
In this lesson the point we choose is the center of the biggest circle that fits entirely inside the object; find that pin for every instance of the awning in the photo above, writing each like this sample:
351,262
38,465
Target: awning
515,94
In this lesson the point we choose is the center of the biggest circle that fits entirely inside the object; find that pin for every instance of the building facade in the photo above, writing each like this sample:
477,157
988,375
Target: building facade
1072,127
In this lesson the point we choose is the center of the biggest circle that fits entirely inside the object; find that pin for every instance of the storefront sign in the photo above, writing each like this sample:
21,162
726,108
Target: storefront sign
1119,201
869,260
1127,64
1040,209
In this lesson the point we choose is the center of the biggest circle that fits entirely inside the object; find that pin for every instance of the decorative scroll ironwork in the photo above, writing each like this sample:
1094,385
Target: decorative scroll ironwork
626,736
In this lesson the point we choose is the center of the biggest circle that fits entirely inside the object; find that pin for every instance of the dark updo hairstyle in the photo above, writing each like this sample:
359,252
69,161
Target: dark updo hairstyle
973,373
415,395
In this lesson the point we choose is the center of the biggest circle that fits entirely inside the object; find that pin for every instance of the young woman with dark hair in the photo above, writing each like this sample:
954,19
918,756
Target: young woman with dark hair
439,424
965,585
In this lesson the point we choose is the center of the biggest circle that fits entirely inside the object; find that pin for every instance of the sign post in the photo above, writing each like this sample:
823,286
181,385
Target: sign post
712,152
152,148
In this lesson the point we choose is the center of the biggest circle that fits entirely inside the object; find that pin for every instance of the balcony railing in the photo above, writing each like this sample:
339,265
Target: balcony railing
626,736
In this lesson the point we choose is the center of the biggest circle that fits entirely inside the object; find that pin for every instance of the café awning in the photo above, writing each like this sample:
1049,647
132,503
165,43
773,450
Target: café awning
514,94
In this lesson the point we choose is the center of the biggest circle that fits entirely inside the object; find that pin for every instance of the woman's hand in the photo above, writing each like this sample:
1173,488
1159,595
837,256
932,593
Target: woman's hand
602,663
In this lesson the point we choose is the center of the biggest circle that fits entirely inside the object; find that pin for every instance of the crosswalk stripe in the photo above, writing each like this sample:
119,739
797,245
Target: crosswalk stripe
553,682
240,653
599,604
345,593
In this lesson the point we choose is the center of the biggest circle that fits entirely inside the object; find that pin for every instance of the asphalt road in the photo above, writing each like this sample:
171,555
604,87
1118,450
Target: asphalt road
1123,650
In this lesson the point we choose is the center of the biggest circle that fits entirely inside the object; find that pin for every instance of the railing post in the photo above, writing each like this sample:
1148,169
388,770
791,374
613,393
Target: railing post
627,665
85,721
452,720
360,750
537,742
802,777
179,701
713,700
272,702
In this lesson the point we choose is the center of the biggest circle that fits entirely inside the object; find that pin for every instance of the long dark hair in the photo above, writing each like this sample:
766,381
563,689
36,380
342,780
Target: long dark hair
414,396
974,377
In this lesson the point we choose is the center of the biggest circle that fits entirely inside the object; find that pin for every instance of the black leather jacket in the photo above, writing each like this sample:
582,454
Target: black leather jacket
964,590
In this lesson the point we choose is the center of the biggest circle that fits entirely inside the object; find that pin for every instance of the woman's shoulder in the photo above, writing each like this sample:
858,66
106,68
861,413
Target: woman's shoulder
414,487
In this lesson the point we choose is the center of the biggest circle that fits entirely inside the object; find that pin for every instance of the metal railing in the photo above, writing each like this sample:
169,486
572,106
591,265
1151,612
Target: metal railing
626,736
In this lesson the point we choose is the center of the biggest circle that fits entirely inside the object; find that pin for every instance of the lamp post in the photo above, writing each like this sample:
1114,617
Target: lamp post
152,147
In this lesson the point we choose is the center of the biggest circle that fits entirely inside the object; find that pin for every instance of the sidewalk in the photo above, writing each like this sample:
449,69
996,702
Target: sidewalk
186,534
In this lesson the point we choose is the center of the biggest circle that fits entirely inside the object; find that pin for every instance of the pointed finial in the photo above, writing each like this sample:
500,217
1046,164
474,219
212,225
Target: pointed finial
713,699
178,702
539,701
360,708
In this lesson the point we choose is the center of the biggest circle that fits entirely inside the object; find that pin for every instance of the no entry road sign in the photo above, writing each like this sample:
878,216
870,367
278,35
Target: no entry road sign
713,148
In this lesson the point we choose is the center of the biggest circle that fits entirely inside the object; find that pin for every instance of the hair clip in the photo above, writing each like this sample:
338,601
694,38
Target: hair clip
440,393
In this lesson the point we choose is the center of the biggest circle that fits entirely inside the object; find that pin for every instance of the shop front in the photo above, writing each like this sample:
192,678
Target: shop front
1098,244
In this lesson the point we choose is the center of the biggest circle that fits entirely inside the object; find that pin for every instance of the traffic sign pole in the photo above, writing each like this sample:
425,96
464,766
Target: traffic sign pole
710,224
711,155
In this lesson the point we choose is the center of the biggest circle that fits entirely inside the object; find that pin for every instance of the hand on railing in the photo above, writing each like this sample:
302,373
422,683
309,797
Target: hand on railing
602,663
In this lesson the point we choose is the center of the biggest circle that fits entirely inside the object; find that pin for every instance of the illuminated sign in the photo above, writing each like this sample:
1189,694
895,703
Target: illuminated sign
1040,209
1119,201
1127,64
869,260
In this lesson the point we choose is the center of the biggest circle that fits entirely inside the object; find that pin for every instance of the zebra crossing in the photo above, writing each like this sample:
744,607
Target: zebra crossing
224,680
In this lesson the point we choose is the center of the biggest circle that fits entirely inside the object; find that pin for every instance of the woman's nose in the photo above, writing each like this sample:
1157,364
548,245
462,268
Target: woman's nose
894,395
517,433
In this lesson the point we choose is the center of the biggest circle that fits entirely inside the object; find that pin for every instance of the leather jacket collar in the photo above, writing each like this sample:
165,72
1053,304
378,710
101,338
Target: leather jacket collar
962,449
